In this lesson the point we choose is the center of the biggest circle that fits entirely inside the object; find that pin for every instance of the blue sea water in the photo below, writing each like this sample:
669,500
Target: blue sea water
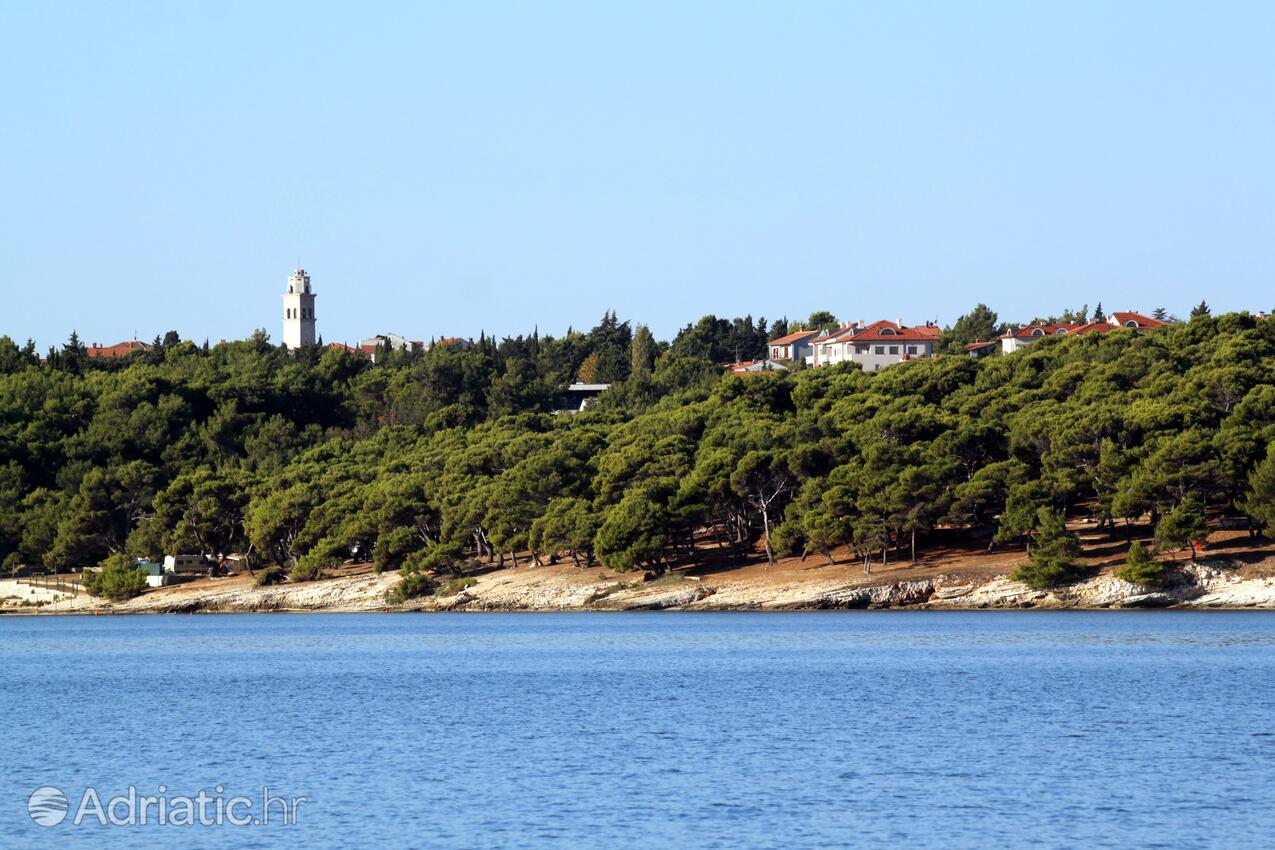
845,729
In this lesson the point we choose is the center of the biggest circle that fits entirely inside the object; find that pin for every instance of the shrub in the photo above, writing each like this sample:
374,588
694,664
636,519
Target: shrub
1141,568
455,586
269,576
311,565
117,580
412,586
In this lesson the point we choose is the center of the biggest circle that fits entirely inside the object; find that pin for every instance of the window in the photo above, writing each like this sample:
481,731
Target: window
894,349
880,349
887,332
861,349
1038,332
1061,331
911,349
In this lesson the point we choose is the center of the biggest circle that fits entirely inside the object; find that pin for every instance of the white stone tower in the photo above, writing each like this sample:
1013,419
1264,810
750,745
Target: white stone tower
298,311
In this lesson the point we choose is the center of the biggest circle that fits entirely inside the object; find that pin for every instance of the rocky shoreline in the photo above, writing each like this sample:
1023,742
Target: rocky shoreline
1196,585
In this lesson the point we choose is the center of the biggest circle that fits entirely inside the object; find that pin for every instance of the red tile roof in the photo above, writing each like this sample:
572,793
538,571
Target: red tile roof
741,368
1048,330
892,331
119,349
977,345
1124,318
799,336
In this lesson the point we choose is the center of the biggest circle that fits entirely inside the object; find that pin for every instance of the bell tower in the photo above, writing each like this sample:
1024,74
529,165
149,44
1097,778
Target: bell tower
298,311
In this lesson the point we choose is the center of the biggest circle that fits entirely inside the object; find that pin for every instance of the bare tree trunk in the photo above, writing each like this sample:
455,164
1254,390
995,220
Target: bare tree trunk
765,521
914,545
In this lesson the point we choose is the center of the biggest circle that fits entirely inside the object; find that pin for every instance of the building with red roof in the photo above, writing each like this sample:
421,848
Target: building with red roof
752,367
119,349
1119,319
874,346
794,346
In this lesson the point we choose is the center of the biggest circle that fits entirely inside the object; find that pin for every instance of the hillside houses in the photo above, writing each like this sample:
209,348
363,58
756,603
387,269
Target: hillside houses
1026,336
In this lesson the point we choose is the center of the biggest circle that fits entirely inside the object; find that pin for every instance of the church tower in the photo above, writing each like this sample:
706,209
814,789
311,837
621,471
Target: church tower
298,311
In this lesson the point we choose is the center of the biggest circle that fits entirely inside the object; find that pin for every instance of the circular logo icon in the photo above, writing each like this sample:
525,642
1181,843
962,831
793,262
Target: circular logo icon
47,806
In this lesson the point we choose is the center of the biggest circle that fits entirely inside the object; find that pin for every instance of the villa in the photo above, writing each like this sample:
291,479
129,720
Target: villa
874,346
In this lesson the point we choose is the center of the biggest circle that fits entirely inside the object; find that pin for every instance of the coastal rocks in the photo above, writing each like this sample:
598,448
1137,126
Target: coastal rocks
1203,584
999,592
1148,600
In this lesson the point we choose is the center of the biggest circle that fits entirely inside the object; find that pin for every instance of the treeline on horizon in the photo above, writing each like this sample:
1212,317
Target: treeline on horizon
426,462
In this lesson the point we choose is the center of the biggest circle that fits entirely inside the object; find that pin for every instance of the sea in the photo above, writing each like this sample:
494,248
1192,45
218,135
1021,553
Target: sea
1011,729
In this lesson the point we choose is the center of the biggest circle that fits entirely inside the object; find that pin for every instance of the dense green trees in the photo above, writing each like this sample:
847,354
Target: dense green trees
117,579
978,325
428,461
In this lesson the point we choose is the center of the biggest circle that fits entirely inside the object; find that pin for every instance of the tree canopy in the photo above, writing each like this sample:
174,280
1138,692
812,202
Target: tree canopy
426,461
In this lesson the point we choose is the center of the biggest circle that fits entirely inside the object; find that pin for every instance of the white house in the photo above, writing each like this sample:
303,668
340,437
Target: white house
828,348
885,343
1024,337
876,345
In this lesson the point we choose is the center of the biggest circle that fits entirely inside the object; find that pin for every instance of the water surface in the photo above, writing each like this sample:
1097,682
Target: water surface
730,730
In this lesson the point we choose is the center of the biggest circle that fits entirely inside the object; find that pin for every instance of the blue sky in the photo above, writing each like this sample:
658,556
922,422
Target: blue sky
445,169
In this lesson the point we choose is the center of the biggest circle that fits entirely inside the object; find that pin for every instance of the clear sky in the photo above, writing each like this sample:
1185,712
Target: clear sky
442,169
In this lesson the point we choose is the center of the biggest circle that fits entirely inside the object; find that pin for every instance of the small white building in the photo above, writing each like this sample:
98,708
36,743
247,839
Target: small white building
578,396
156,575
372,346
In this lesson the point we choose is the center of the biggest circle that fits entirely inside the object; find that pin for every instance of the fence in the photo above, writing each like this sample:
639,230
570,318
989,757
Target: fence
62,584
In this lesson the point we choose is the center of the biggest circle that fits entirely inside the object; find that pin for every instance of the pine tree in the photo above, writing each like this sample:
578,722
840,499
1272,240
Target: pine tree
1201,311
1183,527
1140,567
1053,554
1098,314
643,350
1260,501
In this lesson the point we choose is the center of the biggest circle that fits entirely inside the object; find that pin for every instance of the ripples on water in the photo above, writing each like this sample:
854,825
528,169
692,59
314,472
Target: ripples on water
908,729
